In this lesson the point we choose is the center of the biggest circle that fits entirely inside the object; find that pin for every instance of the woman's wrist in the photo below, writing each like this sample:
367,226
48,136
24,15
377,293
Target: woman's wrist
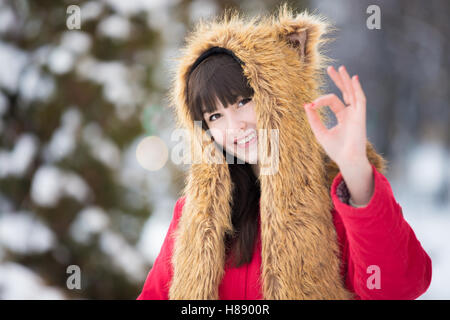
350,202
358,177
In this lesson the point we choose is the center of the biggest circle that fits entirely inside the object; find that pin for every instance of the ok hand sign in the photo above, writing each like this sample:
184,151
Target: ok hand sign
345,143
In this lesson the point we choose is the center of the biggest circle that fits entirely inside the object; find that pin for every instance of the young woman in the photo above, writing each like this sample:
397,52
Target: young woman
319,219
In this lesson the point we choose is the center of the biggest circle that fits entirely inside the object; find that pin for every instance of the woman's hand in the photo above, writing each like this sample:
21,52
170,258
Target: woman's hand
345,143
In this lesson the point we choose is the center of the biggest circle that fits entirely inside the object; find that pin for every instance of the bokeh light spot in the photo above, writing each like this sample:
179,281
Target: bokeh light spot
152,153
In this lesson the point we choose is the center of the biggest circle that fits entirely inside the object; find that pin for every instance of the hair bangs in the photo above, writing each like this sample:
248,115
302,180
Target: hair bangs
217,79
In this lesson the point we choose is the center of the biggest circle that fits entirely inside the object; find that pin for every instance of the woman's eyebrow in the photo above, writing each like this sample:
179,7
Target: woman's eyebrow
206,112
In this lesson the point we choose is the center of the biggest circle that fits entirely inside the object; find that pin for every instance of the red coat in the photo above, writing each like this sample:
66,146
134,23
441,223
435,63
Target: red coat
375,235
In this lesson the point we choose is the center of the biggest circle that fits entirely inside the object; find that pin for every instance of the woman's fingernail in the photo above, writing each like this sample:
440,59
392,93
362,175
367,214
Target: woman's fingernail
356,77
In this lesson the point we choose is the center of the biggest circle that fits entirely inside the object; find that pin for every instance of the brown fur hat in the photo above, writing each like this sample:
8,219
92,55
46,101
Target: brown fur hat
300,254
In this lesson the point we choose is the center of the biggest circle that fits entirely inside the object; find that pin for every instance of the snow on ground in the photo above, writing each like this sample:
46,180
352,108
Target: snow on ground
420,184
431,225
432,230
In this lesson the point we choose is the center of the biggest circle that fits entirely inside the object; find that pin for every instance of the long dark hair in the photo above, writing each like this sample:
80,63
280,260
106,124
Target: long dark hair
221,77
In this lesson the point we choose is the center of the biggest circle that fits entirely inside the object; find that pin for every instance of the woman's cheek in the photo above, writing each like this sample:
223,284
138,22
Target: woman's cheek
216,134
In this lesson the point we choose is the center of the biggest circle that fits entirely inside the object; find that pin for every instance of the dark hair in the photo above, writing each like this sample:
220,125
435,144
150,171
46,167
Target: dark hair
220,77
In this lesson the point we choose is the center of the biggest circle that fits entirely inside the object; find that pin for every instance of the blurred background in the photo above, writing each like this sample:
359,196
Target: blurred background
75,104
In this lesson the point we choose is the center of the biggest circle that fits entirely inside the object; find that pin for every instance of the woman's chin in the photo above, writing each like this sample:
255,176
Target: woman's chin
247,159
246,156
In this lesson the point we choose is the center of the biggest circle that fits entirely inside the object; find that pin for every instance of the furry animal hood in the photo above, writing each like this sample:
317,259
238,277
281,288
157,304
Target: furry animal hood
300,256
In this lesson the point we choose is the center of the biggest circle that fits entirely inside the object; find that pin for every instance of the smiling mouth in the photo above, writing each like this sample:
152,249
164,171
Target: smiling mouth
245,139
248,140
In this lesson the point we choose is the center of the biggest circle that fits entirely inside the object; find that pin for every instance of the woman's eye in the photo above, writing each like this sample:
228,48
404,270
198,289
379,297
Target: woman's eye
244,101
211,117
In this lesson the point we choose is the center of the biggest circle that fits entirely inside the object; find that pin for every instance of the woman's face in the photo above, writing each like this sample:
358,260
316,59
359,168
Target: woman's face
231,126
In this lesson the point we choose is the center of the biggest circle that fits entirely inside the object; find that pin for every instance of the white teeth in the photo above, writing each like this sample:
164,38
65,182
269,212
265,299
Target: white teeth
247,139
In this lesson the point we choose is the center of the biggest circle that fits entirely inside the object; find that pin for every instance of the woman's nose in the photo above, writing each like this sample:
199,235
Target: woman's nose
234,123
235,128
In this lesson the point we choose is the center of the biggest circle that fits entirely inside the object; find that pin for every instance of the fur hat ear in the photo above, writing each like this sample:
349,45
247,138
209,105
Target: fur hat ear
298,41
303,31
